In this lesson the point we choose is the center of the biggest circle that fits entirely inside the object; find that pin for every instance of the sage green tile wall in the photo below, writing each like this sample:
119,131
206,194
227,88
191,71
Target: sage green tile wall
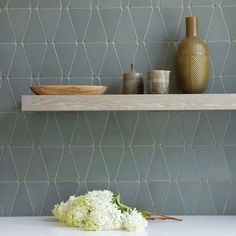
174,162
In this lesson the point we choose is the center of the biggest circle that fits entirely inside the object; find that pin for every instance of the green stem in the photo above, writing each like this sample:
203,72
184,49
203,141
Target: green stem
123,208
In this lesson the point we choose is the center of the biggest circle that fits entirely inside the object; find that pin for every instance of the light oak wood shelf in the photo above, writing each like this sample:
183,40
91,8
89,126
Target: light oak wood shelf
170,102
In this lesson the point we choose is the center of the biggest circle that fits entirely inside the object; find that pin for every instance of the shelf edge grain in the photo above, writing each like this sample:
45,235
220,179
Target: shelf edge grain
170,102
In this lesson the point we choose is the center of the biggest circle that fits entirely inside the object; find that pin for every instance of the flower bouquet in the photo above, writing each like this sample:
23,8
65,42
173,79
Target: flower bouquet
102,211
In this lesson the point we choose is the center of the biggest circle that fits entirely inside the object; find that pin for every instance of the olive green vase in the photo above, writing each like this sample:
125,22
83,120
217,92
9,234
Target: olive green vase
193,63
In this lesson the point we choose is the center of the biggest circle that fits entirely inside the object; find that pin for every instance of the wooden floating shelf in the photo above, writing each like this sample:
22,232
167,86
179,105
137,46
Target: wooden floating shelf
170,102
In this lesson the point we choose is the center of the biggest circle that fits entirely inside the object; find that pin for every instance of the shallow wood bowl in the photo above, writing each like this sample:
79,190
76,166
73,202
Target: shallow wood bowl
68,90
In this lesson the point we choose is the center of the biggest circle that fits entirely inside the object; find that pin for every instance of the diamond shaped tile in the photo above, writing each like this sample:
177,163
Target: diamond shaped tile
158,191
7,195
142,132
7,52
66,122
96,53
21,129
158,169
51,199
65,31
174,202
220,191
127,122
203,134
20,66
39,173
111,66
81,66
188,170
34,32
189,192
229,154
230,204
156,31
230,131
22,205
95,31
82,157
51,157
229,16
67,171
37,193
36,123
19,20
140,17
52,134
97,122
97,169
112,135
204,156
52,15
157,130
205,203
188,122
50,66
7,35
6,105
173,157
127,170
112,157
219,170
144,197
143,156
110,19
35,62
217,30
79,18
173,127
218,52
7,126
125,31
81,134
21,158
171,17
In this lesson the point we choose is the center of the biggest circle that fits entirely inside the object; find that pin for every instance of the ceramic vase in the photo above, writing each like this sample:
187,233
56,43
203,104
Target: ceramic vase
193,63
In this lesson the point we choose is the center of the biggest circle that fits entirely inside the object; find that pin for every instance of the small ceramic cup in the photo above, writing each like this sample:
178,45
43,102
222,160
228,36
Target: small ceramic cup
158,82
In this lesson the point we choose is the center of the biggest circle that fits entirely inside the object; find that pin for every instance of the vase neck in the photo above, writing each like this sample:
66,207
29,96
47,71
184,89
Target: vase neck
191,26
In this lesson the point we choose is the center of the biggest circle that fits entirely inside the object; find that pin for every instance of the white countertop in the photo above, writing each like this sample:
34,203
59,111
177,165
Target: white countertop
191,226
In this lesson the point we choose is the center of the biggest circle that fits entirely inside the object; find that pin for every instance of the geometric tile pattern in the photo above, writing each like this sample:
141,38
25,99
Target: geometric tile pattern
173,162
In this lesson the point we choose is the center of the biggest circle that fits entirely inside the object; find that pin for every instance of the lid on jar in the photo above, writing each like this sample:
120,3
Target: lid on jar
132,74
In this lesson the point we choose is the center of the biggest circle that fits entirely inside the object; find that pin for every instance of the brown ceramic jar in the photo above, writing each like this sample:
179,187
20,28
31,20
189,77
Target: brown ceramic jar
193,63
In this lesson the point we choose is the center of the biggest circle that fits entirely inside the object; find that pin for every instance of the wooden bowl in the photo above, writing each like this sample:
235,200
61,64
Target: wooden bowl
68,90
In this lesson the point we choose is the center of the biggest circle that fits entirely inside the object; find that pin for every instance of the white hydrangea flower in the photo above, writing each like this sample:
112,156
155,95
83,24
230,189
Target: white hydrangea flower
96,211
134,221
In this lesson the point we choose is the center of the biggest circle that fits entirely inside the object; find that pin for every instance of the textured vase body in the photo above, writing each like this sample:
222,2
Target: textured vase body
193,63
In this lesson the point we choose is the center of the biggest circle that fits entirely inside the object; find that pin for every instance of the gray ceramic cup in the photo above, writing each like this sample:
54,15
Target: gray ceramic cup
158,82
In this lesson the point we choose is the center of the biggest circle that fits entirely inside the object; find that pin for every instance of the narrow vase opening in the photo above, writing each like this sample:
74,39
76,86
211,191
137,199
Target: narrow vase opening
191,26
